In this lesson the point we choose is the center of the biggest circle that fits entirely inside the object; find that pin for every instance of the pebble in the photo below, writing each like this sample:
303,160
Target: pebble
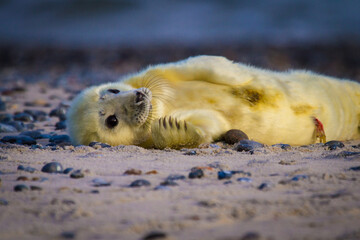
60,125
2,105
190,153
22,178
35,188
160,187
23,140
151,172
244,179
333,145
224,175
133,172
169,183
355,168
20,187
52,167
99,182
37,114
234,136
287,162
23,117
348,154
140,183
67,170
20,126
98,145
5,128
196,173
265,186
95,191
247,145
155,235
68,235
251,236
241,172
282,146
77,174
175,177
299,177
60,139
3,202
6,117
59,112
228,182
32,134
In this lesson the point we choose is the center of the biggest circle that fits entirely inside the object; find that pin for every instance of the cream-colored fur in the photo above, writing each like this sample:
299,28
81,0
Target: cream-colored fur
197,100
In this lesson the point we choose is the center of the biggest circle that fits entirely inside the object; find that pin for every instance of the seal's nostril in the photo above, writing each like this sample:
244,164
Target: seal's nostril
139,97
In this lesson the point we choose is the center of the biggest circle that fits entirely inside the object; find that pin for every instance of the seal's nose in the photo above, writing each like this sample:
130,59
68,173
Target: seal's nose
140,96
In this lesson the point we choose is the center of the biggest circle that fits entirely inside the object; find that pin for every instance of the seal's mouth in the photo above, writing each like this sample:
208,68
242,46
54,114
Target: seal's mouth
143,106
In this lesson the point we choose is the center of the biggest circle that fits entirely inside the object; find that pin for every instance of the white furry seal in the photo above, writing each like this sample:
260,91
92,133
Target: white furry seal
197,100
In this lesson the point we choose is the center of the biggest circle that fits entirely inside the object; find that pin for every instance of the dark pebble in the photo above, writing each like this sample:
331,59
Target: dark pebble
5,128
52,167
37,114
23,140
67,170
140,183
155,235
169,183
20,126
190,153
224,175
59,112
23,117
99,182
95,191
241,172
6,117
30,126
251,236
20,187
174,177
133,172
2,105
348,154
333,145
98,145
59,139
355,168
68,235
264,186
32,134
60,125
35,188
228,182
26,169
77,174
244,179
3,202
282,146
234,136
160,187
247,145
36,146
196,173
299,177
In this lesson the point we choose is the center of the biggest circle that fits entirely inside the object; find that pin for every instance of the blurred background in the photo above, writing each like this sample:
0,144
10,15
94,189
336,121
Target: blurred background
93,41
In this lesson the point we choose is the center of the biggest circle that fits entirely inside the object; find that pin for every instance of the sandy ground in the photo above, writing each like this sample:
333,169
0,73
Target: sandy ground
324,203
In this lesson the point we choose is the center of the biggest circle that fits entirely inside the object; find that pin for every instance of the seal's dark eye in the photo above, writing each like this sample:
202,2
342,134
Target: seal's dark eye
113,91
111,121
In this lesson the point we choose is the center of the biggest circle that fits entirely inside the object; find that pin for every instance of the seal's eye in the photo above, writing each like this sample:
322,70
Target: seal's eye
113,91
111,121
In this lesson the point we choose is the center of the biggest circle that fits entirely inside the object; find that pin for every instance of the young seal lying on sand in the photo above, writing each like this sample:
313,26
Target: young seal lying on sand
197,100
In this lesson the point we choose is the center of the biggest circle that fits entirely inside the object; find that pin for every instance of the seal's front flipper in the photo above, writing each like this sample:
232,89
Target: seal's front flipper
319,132
169,132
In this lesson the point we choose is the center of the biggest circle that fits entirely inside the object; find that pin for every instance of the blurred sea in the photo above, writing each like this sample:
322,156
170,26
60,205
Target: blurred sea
186,22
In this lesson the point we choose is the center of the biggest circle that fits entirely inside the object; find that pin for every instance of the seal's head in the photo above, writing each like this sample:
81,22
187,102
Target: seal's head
112,113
